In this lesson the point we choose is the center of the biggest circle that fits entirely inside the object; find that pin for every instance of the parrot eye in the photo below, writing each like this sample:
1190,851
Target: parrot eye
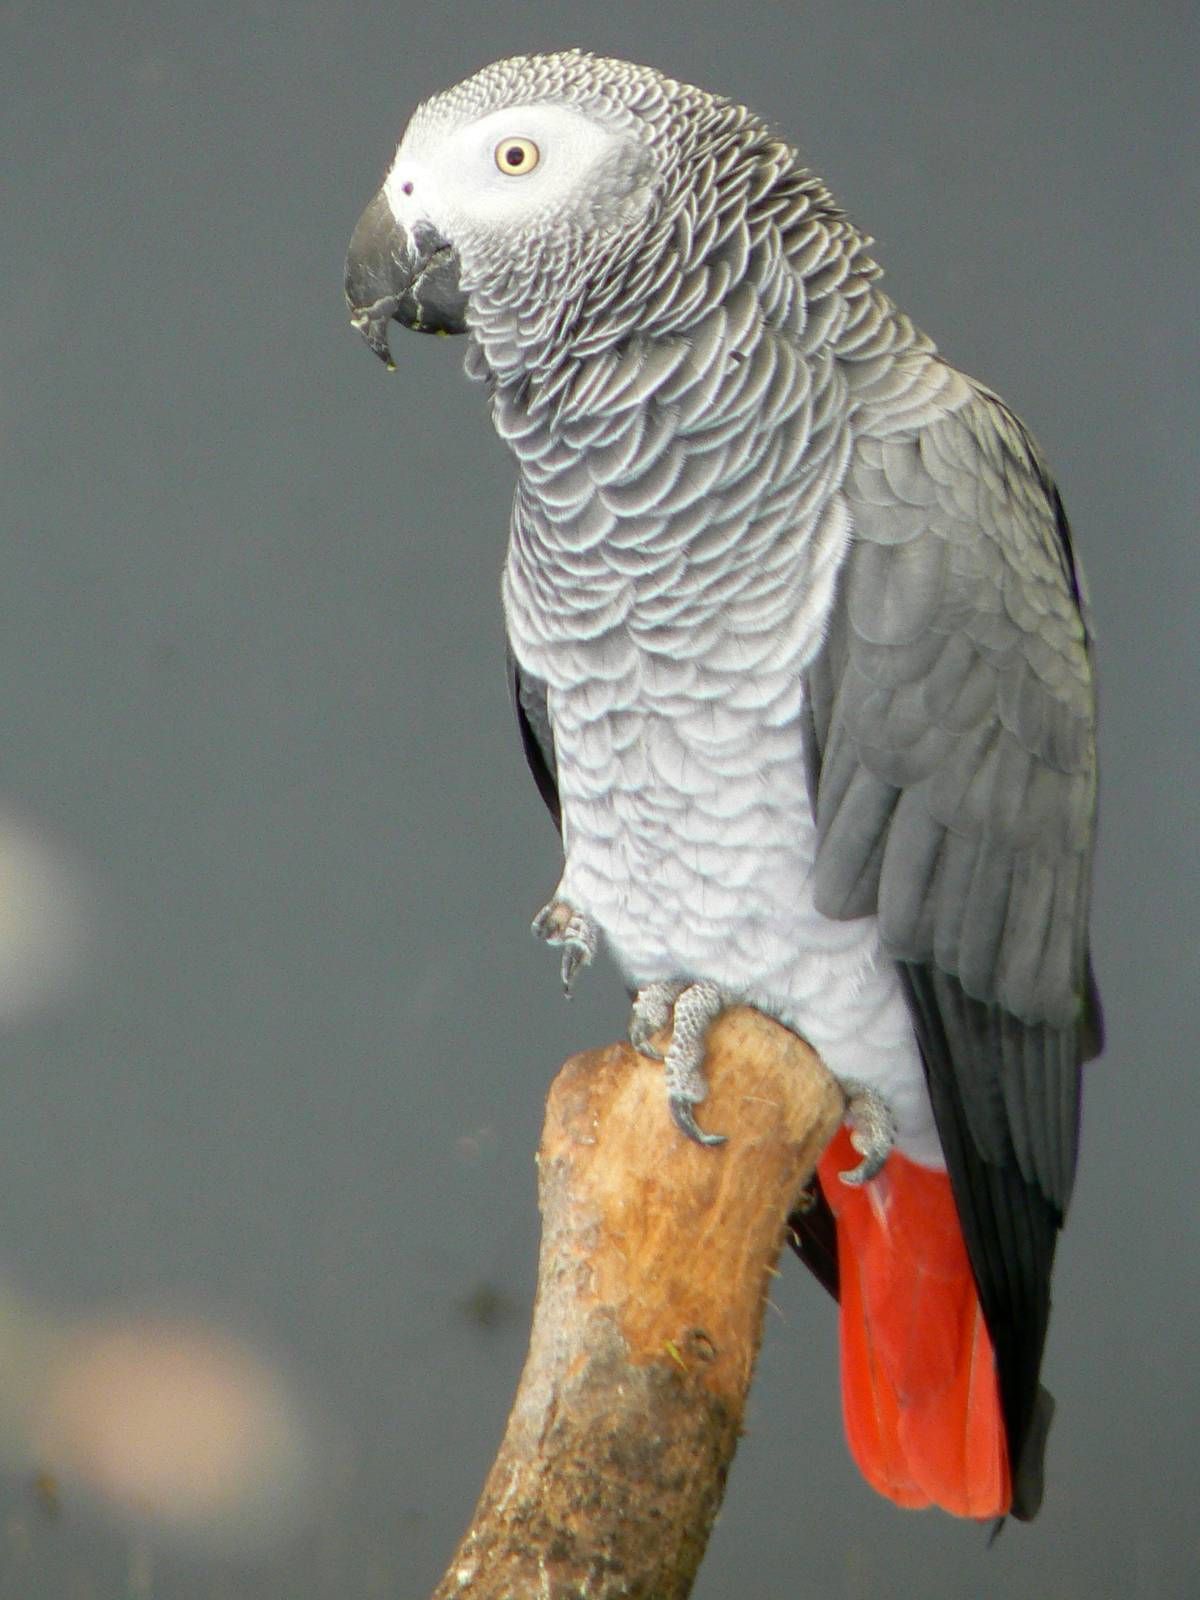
517,156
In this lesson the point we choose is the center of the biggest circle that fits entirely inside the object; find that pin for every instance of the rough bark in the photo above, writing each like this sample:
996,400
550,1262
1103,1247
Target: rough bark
656,1261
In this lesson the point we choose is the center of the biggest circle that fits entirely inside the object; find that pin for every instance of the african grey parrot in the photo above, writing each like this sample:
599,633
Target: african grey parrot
802,668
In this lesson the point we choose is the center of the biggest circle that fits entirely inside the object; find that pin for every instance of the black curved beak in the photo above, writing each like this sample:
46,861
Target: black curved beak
396,275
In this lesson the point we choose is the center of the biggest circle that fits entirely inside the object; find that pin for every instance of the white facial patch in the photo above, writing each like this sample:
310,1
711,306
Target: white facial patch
449,176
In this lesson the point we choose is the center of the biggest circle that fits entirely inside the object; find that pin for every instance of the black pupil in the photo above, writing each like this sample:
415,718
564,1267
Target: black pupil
514,155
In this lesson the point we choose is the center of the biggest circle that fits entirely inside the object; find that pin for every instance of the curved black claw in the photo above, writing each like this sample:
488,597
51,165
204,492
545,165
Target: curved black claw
684,1119
576,954
874,1131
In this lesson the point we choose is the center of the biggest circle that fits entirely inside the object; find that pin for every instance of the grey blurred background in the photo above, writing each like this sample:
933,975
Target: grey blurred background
274,1038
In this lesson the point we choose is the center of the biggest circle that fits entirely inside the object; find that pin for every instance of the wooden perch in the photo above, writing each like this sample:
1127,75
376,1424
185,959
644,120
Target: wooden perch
656,1260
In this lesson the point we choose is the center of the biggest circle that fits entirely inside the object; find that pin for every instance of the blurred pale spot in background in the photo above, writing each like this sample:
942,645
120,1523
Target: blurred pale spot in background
47,906
175,1425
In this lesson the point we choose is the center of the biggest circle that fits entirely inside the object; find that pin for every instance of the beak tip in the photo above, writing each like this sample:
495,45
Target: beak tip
371,323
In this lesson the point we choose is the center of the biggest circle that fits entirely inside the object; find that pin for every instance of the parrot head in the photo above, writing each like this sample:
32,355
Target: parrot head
521,200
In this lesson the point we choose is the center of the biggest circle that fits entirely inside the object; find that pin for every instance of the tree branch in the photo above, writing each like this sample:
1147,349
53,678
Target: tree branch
655,1265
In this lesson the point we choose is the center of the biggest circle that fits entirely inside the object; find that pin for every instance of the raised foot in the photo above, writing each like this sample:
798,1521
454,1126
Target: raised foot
560,924
872,1131
696,1006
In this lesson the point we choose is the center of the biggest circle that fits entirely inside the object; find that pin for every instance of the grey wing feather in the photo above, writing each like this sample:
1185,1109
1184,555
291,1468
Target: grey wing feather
951,724
950,747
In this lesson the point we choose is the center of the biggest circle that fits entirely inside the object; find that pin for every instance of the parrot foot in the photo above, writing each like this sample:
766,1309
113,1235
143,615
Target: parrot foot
872,1131
696,1006
652,1012
560,924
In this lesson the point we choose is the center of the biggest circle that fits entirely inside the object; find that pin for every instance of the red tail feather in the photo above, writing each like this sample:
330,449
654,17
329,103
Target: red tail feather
919,1389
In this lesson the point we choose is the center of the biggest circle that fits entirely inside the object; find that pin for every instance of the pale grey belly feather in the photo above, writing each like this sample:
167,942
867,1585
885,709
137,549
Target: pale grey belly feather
689,837
670,576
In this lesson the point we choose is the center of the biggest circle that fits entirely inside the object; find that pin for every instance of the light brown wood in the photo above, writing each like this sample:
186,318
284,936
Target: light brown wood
656,1260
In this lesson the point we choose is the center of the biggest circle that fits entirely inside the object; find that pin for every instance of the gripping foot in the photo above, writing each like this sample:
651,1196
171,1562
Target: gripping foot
696,1006
651,1013
872,1131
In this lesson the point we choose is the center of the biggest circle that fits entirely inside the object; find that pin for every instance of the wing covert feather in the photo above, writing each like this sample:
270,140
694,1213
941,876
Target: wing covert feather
957,673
